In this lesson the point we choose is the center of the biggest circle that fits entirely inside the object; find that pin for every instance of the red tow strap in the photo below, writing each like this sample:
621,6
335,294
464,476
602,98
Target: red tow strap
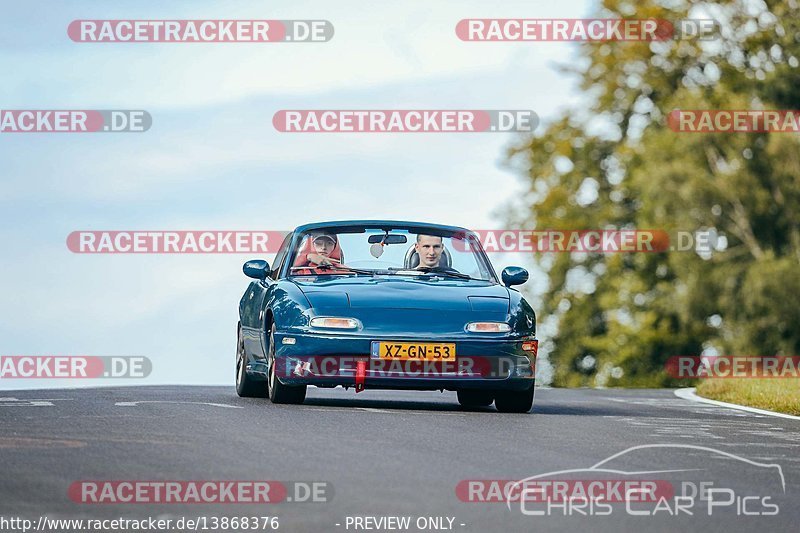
361,375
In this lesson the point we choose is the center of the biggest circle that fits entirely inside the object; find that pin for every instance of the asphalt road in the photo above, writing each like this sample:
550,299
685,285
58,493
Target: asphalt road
386,453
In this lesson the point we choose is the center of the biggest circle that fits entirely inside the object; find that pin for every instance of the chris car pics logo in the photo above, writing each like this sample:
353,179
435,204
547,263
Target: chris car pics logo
683,480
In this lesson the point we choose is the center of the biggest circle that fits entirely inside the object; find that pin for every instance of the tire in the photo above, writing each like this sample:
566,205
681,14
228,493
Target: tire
278,392
246,386
475,398
514,401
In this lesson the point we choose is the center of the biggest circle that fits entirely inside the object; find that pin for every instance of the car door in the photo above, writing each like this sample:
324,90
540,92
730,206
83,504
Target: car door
257,295
251,305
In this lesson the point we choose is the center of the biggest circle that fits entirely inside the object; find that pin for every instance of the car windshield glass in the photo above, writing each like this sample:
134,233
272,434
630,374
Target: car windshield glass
397,252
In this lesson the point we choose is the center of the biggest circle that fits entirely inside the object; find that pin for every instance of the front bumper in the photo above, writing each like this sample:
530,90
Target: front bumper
329,360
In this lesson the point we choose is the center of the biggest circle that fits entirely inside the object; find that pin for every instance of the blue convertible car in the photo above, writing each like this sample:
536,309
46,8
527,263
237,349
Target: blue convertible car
386,305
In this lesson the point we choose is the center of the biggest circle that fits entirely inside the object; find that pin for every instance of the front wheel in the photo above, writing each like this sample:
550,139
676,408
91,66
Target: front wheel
278,392
514,401
246,386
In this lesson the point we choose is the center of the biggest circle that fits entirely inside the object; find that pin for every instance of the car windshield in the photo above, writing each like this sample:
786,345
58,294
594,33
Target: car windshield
394,252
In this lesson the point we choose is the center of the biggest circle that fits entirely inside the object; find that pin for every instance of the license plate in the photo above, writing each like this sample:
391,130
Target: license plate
414,351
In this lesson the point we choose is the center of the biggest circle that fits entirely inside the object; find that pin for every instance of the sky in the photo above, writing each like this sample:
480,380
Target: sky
213,161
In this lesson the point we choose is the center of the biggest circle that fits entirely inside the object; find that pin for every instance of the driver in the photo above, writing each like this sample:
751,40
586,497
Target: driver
429,248
323,250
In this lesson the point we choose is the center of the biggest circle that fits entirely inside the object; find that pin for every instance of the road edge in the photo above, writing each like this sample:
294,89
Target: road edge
688,393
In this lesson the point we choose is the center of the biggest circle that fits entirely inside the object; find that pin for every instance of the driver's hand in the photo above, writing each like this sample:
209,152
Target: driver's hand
327,261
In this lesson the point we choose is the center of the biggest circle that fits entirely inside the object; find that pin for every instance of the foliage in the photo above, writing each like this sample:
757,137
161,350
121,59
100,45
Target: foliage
616,164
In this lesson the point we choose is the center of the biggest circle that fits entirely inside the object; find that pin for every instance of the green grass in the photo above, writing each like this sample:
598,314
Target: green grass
776,394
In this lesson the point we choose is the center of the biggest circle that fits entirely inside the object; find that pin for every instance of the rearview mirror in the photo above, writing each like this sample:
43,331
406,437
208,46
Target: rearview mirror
256,269
390,238
514,276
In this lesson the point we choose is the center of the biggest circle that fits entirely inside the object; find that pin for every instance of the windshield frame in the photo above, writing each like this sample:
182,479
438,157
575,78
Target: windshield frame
475,244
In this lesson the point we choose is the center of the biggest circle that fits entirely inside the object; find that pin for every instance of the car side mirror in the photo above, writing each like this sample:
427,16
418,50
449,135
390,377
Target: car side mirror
514,276
256,269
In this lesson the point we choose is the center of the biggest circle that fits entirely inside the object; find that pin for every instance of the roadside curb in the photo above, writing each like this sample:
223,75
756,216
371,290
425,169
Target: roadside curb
689,394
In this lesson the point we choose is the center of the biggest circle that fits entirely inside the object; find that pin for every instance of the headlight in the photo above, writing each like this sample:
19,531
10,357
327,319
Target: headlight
334,322
488,327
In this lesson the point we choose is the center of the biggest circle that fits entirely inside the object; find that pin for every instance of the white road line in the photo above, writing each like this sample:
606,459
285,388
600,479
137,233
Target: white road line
38,402
689,394
134,404
10,399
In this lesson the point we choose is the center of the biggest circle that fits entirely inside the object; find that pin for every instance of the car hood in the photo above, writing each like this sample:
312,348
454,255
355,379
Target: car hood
383,292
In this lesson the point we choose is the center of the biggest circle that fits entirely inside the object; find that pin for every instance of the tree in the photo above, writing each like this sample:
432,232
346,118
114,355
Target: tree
618,165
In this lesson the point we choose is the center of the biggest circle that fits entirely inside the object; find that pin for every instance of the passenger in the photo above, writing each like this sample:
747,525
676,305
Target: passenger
429,248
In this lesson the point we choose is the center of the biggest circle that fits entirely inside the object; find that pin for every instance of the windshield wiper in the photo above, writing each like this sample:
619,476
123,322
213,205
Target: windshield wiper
452,273
345,269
